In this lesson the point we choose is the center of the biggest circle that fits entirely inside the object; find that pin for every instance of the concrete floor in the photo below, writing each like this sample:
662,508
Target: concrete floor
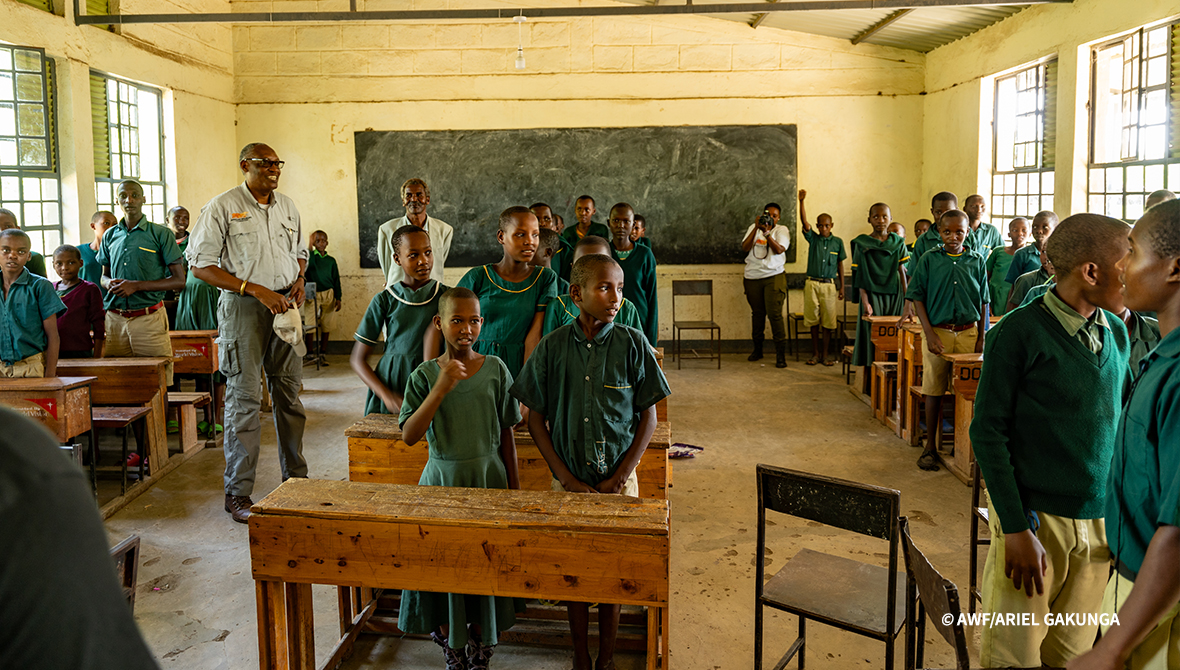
196,599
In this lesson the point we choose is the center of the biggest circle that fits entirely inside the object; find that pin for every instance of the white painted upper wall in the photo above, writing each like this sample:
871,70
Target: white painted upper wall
957,133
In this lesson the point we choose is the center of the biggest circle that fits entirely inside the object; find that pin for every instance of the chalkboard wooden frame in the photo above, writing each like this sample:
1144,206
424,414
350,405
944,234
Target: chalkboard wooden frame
700,187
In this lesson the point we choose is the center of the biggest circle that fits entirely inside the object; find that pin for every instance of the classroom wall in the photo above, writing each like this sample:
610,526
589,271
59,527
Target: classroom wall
193,63
957,107
306,89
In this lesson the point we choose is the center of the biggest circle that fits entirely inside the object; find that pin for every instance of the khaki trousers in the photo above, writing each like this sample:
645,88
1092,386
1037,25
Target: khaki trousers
936,370
819,304
1079,561
326,301
33,366
139,337
1161,649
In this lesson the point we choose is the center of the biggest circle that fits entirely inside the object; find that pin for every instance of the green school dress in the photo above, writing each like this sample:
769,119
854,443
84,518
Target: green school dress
464,443
874,269
508,310
563,310
563,260
596,229
404,315
196,308
997,269
639,277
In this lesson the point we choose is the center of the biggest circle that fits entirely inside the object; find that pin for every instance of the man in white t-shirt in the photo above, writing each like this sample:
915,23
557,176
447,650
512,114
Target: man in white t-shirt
415,198
765,282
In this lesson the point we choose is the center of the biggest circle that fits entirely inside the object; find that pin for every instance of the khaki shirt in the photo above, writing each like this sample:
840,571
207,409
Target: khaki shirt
1087,331
261,246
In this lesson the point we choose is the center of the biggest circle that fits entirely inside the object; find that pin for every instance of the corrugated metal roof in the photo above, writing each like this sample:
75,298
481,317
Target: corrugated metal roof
923,29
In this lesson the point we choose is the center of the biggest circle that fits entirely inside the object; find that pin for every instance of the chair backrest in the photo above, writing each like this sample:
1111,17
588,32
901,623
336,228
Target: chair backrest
860,508
939,597
702,287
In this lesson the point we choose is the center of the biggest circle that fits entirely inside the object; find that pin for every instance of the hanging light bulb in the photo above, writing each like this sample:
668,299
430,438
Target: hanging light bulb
519,41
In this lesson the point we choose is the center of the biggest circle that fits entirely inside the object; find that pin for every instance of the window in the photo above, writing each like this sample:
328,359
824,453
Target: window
1024,134
1132,135
30,185
128,142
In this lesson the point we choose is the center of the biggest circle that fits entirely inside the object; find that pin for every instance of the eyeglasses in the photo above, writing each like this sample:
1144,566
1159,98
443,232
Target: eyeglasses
266,163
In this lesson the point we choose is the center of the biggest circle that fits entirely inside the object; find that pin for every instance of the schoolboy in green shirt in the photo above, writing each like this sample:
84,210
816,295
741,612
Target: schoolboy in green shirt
639,232
984,238
1031,284
325,274
1143,491
639,267
36,264
1043,431
940,204
596,385
548,248
1029,258
28,313
949,291
584,210
562,309
91,268
825,281
141,262
562,257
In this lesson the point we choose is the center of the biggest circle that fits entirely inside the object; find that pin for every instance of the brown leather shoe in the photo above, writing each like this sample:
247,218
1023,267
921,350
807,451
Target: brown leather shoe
238,507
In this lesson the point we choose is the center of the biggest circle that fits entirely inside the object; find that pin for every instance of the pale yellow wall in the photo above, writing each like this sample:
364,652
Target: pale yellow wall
193,64
956,154
306,89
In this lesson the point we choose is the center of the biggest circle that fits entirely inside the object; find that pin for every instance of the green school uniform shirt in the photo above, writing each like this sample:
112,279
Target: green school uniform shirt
1144,333
323,272
142,253
91,268
563,310
1088,332
405,326
1032,456
875,263
925,242
563,287
592,392
643,241
31,299
984,240
1031,285
570,233
639,286
952,287
563,259
1143,491
1026,259
36,264
823,253
997,280
508,310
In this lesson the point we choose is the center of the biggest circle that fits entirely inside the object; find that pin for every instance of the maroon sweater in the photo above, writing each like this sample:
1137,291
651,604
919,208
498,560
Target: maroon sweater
84,313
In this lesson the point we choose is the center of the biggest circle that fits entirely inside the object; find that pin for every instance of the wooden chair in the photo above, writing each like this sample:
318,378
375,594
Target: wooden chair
853,596
936,596
978,513
697,287
124,418
126,558
186,405
846,323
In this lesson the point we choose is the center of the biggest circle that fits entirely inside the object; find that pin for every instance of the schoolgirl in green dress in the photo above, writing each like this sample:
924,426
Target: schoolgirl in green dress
999,262
513,293
460,403
405,310
877,277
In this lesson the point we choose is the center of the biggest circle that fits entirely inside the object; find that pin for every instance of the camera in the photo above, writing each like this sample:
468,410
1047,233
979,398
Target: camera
765,221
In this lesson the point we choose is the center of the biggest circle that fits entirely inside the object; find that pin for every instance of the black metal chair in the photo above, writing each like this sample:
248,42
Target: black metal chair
847,594
697,287
936,596
978,513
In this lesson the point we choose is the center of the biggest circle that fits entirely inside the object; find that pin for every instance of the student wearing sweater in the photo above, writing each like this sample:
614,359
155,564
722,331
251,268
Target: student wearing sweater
1046,410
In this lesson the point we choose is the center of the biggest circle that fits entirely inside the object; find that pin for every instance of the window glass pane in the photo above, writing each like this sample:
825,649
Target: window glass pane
29,61
32,120
1134,178
7,89
1114,206
1134,206
32,215
1157,72
10,188
7,151
1153,179
7,119
1174,177
1157,42
33,153
32,188
1047,179
1155,142
28,87
1114,180
1107,112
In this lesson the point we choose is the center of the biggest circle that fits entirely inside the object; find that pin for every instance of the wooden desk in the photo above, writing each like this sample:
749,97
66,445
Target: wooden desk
883,332
194,352
135,382
61,404
376,453
559,546
965,369
661,406
909,373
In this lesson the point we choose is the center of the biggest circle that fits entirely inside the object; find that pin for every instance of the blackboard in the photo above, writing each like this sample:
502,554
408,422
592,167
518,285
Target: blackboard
699,187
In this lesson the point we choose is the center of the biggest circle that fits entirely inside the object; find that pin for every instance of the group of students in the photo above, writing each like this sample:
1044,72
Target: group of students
516,344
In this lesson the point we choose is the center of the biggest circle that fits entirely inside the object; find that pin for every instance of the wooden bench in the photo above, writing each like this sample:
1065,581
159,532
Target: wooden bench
909,373
526,544
186,405
965,370
884,391
194,352
376,453
123,418
135,382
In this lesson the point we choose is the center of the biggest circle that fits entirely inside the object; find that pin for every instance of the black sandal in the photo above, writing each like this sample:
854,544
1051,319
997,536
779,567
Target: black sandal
928,461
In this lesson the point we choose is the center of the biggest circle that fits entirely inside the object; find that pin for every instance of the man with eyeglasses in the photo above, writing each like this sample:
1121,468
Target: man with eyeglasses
415,198
248,242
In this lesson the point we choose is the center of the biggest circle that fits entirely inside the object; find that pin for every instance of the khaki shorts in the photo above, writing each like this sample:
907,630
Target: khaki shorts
936,370
327,310
139,337
630,487
1160,650
819,304
33,366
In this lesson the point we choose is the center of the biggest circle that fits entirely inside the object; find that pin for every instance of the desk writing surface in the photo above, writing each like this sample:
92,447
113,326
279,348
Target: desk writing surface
121,381
467,507
26,384
384,427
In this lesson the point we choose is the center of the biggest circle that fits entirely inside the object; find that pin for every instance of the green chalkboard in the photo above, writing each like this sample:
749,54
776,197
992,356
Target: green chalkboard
699,187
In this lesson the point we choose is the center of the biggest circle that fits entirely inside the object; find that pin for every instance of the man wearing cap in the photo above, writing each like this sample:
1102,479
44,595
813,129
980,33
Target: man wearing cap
248,242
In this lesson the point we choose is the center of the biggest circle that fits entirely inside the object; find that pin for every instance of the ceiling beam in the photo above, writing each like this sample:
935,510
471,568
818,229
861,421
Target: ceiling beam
878,26
760,18
535,12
